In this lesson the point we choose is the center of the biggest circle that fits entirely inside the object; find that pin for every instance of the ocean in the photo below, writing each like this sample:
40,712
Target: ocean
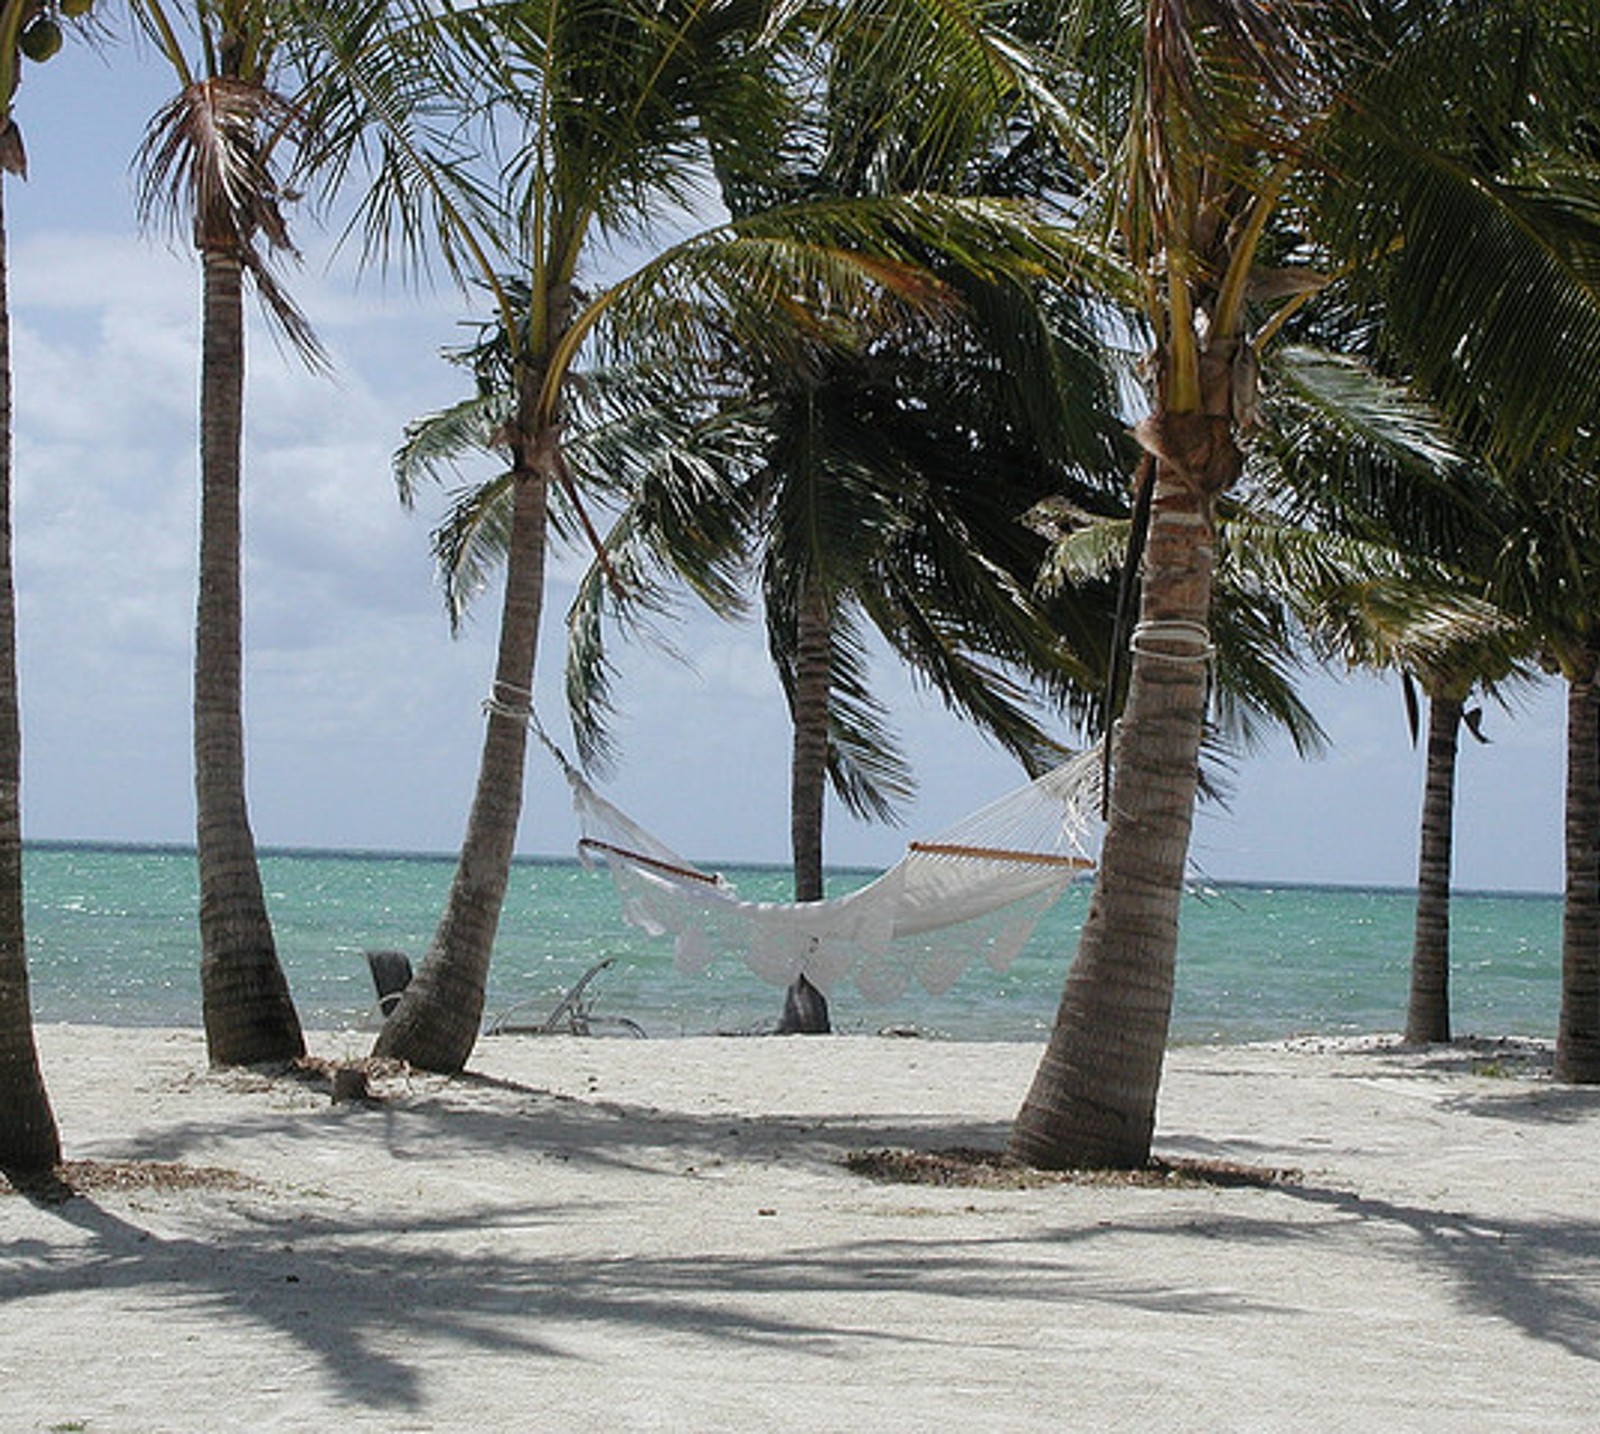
112,939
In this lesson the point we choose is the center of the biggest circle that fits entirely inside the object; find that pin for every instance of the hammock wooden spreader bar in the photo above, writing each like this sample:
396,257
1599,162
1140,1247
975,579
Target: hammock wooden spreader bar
638,858
995,853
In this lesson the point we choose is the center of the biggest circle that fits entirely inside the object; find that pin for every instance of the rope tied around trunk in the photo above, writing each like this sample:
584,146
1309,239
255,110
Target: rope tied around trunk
519,709
1193,636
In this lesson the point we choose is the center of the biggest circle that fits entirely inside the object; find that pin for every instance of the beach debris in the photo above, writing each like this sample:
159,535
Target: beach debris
995,1170
346,1082
350,1083
83,1177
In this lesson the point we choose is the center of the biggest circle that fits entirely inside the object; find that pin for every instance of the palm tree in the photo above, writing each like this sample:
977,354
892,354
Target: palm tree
1196,201
607,111
208,162
895,478
600,105
1229,117
29,1140
1364,459
1428,1006
1578,1034
892,492
1359,458
1548,576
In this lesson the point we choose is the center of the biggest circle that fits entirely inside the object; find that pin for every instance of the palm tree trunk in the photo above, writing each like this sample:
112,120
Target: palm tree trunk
29,1141
249,1016
436,1022
805,1009
1578,1036
1092,1102
809,765
1428,1012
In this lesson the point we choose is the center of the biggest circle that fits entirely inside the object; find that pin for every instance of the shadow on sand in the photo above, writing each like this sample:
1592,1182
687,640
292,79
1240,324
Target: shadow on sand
350,1288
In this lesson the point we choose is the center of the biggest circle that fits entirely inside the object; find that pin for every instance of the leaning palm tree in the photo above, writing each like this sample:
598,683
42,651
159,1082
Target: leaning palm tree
1221,98
599,105
607,112
209,163
29,1141
1259,150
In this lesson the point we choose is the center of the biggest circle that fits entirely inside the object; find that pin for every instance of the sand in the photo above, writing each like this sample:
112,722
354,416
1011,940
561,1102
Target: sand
620,1235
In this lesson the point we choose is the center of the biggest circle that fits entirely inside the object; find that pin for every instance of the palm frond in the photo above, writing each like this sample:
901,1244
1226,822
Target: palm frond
1256,665
1475,223
470,542
1345,448
1370,603
866,767
392,118
799,281
435,446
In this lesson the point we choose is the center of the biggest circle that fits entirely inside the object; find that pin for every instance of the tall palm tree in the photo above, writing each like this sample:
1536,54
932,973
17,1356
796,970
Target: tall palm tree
599,106
607,111
1578,1034
209,163
1365,459
895,479
1196,199
29,1140
1548,576
1228,117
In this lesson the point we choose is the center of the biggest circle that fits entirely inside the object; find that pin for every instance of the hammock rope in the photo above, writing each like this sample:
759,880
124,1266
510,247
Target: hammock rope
975,890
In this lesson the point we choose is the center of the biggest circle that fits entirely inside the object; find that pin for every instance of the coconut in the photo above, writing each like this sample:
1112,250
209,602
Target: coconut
40,39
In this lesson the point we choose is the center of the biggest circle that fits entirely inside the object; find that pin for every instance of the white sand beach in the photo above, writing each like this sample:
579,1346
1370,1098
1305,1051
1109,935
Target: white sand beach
621,1235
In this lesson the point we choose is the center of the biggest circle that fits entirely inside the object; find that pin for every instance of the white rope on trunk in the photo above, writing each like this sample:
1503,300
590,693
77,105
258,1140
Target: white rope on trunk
1193,636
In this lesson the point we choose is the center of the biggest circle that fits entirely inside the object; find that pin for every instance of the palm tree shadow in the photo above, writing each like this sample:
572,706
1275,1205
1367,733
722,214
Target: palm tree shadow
348,1292
1530,1105
259,1276
1541,1276
351,1289
480,1115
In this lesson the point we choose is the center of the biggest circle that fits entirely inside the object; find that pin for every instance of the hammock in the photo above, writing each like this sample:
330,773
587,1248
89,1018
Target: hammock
978,889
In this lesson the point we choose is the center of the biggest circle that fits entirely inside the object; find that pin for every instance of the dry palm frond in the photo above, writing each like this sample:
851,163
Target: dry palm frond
207,160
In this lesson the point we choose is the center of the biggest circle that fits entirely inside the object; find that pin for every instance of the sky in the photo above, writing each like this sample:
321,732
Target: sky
362,711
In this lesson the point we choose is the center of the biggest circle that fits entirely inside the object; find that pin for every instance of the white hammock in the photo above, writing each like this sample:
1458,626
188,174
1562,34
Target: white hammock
978,889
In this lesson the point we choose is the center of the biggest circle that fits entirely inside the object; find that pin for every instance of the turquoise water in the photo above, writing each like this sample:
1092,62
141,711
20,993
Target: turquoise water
111,938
